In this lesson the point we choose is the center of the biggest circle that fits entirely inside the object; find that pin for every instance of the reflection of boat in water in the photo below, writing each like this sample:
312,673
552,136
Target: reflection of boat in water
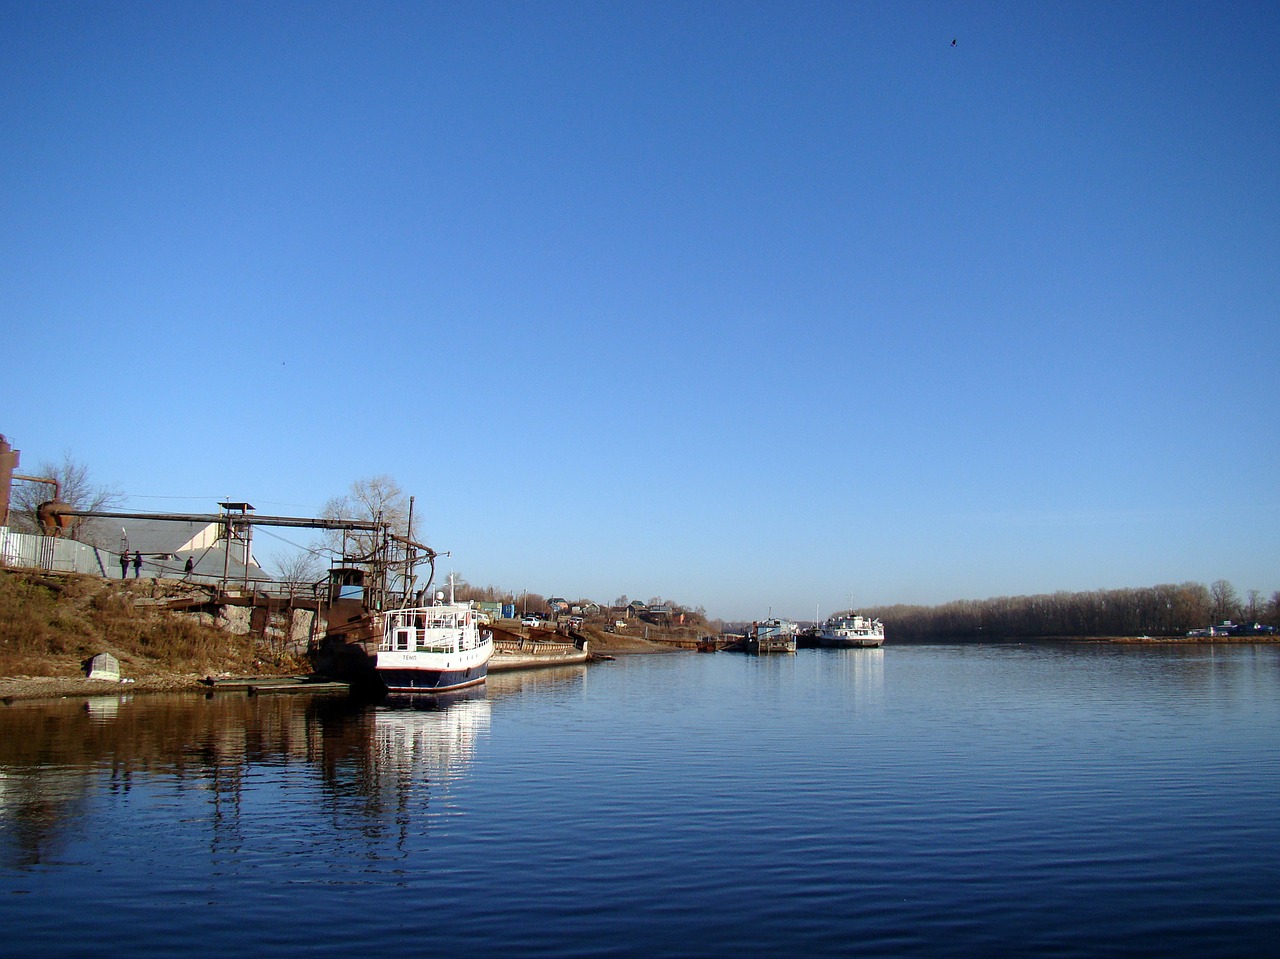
862,676
850,632
567,680
432,734
432,649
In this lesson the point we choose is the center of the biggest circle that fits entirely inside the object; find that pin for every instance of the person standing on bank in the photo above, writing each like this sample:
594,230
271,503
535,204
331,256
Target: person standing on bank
137,564
124,565
189,567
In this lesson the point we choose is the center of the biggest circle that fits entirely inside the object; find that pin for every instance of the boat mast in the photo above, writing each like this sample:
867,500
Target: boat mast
408,558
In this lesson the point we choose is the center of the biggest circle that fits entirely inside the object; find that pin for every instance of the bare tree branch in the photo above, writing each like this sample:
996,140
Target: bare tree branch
75,487
376,499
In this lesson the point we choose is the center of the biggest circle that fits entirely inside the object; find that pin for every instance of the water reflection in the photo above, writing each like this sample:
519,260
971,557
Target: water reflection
364,767
862,671
853,679
429,739
56,756
34,805
102,709
556,680
1075,801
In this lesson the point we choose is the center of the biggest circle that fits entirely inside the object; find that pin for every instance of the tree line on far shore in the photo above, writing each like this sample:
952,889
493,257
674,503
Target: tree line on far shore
1165,610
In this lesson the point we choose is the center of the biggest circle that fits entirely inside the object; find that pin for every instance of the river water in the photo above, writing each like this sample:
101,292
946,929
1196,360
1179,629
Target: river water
1073,800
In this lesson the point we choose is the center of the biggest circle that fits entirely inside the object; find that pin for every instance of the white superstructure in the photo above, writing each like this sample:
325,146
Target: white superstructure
428,649
851,630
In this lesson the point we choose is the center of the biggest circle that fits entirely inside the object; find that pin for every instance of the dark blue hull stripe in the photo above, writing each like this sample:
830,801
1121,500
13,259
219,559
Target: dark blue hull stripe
432,680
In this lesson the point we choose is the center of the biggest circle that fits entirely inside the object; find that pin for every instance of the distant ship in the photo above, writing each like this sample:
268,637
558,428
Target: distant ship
850,632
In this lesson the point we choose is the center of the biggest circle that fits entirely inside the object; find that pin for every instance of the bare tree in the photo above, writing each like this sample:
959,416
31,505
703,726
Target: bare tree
464,591
302,568
1253,606
1225,600
377,499
531,601
74,487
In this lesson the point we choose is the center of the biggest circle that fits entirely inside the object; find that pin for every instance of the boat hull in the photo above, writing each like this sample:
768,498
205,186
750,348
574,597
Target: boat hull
417,680
843,642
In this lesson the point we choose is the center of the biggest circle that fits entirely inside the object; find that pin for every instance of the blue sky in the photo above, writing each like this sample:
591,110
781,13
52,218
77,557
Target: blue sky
747,305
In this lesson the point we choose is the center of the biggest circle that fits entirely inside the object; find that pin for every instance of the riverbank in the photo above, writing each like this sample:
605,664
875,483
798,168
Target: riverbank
16,688
51,624
59,687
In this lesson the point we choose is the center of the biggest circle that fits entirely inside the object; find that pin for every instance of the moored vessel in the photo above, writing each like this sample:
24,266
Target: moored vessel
851,631
433,649
772,636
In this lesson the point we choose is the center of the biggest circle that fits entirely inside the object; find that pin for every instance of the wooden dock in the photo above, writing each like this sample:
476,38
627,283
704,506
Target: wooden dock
262,685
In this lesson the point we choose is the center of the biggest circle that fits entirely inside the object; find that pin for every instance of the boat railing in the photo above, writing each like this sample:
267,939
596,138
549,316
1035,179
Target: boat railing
405,634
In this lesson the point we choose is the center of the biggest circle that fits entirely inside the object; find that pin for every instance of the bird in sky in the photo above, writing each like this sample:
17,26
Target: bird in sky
953,41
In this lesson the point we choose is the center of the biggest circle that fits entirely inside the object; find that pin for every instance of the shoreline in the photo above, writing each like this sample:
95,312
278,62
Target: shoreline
26,688
15,689
20,688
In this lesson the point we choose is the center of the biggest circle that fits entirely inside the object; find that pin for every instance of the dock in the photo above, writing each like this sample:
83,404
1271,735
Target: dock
262,685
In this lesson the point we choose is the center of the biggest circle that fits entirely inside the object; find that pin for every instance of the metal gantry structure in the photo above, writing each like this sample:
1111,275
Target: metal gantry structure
390,554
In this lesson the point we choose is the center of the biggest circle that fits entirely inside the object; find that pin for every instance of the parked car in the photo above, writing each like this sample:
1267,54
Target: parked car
530,620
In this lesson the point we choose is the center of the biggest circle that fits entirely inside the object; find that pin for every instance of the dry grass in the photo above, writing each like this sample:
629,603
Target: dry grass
50,623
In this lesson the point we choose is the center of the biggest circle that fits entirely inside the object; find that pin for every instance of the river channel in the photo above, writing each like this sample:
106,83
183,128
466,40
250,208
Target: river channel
943,800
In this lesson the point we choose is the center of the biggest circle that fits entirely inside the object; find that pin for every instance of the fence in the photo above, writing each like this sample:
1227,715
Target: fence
67,556
53,553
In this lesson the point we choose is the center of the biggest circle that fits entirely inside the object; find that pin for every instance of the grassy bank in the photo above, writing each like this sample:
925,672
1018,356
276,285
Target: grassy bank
52,623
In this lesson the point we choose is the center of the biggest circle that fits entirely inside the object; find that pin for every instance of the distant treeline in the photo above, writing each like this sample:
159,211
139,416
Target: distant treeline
1168,610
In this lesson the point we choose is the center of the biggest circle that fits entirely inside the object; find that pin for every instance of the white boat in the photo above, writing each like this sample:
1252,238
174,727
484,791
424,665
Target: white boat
851,631
433,649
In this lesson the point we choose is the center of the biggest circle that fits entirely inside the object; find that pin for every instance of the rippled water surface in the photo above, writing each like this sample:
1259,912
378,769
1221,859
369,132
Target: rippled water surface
913,801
